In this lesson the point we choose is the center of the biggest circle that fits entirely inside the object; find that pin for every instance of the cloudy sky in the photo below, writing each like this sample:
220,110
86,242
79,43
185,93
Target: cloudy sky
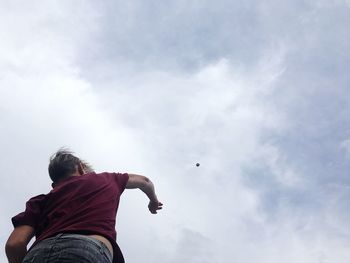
255,91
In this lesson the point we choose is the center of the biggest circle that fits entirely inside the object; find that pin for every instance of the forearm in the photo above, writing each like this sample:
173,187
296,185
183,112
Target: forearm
146,186
16,254
148,189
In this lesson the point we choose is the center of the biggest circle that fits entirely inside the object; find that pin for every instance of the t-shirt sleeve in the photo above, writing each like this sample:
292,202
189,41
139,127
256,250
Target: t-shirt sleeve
121,179
31,214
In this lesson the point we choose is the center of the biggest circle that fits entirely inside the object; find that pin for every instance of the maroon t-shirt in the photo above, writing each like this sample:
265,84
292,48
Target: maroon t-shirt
84,204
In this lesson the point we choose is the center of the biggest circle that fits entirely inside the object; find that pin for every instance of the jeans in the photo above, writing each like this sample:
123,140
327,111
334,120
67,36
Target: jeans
69,248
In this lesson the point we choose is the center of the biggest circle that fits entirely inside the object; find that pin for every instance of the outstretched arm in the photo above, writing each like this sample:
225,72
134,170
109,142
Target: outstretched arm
146,186
16,245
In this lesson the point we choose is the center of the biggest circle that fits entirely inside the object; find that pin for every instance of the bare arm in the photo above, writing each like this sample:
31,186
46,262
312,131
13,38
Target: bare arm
146,186
16,245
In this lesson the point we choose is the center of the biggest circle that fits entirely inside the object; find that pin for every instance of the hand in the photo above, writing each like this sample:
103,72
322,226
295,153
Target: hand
153,206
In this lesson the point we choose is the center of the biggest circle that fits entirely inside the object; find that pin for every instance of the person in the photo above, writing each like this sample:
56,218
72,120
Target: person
75,221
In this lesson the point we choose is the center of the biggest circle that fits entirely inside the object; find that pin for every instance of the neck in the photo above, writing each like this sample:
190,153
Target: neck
76,173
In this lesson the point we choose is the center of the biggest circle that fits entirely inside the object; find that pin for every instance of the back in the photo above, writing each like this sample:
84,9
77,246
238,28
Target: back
84,204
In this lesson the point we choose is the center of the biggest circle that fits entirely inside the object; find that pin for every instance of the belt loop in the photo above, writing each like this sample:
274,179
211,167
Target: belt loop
58,236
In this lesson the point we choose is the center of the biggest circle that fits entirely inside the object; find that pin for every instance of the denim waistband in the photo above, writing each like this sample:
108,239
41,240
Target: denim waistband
99,244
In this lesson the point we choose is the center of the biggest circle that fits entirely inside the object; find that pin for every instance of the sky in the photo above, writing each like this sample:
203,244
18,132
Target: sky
255,91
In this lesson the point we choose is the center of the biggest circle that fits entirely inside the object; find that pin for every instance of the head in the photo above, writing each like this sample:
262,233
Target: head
64,164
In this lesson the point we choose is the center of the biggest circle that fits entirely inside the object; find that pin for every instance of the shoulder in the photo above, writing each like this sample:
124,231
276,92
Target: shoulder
119,178
36,203
37,199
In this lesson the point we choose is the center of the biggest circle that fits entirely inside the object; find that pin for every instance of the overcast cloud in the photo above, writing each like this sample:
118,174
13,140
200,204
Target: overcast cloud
255,91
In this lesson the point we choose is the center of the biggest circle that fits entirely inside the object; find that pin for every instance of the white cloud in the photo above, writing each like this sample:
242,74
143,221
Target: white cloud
138,112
